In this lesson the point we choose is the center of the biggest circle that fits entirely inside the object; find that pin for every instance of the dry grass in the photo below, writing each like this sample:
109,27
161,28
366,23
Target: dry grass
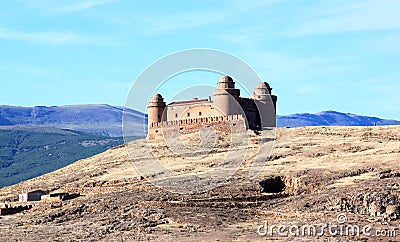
327,165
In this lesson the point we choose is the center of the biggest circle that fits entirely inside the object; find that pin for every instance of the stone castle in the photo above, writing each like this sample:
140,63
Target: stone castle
227,109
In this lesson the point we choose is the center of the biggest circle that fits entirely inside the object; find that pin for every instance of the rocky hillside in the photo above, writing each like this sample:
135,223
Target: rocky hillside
315,176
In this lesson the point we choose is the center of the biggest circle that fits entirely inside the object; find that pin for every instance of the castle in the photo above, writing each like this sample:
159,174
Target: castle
256,113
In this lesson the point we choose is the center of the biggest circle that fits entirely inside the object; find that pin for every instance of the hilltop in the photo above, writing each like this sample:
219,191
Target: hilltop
314,174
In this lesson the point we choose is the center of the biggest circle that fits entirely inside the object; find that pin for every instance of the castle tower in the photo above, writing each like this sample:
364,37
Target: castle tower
226,97
266,104
155,109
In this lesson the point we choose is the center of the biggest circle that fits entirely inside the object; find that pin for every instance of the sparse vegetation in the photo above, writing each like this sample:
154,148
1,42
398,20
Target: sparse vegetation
357,174
25,154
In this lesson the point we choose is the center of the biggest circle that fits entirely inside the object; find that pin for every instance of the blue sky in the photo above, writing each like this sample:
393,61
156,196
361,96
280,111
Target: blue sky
317,55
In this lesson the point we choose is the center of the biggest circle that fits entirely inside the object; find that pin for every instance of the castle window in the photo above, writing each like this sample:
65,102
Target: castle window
188,114
199,113
176,115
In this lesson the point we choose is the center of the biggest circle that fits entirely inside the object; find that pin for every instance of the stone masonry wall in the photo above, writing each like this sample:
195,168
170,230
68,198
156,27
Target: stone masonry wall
227,124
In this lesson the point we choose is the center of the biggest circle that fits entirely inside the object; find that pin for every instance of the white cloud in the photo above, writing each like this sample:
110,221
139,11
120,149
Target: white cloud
47,37
82,5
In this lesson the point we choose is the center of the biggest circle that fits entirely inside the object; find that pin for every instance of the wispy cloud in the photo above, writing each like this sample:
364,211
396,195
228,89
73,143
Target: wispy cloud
245,36
349,16
384,43
325,17
82,5
293,71
28,69
307,90
165,23
243,5
197,18
45,37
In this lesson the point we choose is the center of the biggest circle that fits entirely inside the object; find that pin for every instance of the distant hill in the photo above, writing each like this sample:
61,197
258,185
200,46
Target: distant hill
99,119
330,118
27,151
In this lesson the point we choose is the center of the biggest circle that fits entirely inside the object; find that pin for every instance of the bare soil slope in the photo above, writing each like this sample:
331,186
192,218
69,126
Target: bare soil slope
313,175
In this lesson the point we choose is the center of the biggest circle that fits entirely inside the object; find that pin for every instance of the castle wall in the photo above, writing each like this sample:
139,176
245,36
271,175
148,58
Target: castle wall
191,111
227,124
251,112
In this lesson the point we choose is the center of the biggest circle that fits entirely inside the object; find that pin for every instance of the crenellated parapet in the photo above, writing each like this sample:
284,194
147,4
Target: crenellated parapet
196,121
227,124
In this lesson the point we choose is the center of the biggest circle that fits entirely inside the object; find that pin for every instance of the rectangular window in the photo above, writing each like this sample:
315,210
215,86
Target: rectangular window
188,114
199,113
176,115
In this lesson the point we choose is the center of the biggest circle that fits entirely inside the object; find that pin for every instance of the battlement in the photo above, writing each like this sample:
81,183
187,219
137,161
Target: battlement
230,123
196,121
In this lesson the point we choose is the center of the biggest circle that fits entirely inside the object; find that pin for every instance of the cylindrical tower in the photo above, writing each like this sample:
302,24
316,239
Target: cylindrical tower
155,109
266,104
226,97
262,90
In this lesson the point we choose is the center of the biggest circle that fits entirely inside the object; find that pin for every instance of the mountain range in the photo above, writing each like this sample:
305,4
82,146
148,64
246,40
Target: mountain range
98,119
106,120
331,118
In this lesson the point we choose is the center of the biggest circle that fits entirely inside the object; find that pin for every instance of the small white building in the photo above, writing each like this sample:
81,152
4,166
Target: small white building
31,196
